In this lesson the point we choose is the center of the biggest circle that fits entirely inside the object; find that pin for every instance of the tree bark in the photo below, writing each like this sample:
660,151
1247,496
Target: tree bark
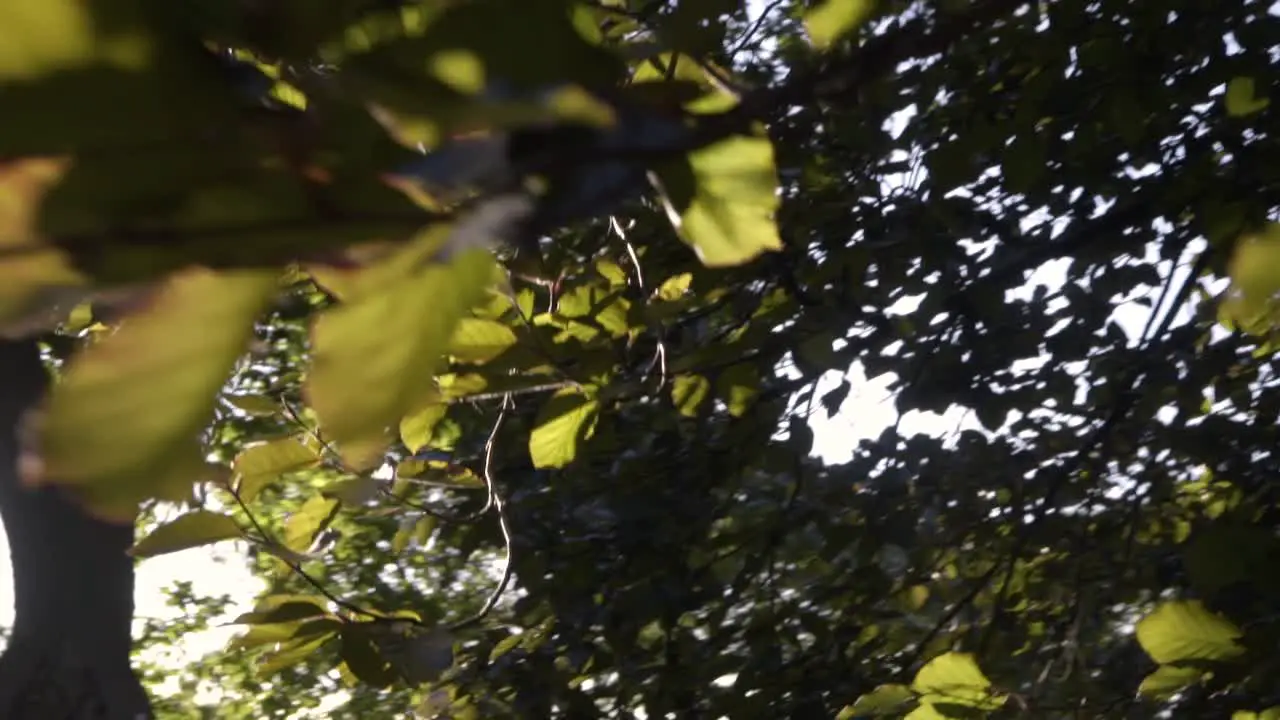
68,655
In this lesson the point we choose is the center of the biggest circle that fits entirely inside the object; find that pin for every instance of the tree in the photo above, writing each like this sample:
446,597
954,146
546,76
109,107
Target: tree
601,412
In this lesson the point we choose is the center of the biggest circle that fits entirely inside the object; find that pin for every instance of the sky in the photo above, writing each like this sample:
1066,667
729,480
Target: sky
867,411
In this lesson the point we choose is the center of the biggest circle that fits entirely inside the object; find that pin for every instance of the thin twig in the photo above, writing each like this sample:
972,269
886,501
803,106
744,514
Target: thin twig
297,567
499,506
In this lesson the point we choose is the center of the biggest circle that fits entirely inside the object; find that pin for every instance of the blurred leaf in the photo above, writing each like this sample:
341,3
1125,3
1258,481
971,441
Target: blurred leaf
374,354
37,281
831,20
1241,97
154,382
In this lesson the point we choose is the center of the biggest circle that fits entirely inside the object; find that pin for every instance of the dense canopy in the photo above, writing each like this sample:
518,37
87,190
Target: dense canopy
496,329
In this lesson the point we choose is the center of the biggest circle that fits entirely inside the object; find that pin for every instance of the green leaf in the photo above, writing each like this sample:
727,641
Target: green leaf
193,529
259,635
292,653
884,700
722,201
430,79
738,386
358,490
307,522
1168,680
833,19
479,341
688,392
362,657
564,422
79,75
284,609
256,405
427,654
375,354
926,712
154,382
1254,270
261,463
1181,630
417,428
37,281
1271,713
1241,97
955,679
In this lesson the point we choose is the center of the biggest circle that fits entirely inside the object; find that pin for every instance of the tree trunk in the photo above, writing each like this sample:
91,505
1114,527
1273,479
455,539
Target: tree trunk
68,654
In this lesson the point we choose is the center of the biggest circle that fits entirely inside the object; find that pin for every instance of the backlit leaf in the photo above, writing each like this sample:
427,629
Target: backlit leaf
417,428
1168,680
307,522
722,202
263,462
884,700
479,341
688,393
193,529
955,679
1182,630
564,422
